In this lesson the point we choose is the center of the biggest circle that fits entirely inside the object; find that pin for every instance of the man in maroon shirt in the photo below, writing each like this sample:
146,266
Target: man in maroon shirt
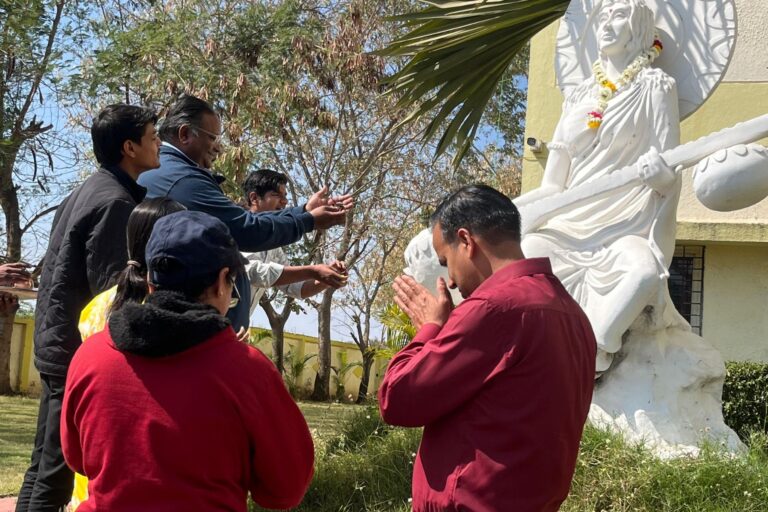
502,383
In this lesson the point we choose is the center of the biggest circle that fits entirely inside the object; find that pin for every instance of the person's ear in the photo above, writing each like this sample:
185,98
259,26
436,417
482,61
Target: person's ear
222,282
129,149
253,198
150,287
184,133
465,240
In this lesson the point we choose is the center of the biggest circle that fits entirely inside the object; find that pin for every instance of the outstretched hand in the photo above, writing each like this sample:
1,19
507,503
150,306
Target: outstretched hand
333,275
9,303
15,274
332,214
321,198
318,199
421,306
345,202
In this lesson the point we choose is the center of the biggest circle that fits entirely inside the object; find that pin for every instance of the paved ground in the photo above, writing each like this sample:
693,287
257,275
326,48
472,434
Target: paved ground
7,504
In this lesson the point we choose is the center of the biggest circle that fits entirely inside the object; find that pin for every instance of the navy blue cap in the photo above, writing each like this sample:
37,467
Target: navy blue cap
185,245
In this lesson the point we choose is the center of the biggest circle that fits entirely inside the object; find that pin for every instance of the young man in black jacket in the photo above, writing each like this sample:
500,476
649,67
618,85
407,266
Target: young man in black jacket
87,248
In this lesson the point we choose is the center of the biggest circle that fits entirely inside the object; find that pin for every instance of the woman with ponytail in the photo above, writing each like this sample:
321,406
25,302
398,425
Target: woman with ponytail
132,282
131,287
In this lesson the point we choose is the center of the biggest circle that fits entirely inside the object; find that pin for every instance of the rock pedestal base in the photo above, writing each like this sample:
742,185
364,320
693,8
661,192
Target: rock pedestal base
664,390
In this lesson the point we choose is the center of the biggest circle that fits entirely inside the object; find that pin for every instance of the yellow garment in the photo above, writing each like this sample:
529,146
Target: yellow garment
93,319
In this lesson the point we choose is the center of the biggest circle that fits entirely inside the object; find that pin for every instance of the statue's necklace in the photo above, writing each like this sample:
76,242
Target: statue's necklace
607,89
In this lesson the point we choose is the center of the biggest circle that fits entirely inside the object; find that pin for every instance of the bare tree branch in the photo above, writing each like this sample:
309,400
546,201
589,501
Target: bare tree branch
39,216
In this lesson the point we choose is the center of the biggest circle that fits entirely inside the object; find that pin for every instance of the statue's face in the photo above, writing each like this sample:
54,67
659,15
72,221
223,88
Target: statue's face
614,33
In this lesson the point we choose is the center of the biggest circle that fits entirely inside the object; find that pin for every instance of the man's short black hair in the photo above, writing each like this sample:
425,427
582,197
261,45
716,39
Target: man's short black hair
263,181
188,110
116,124
481,209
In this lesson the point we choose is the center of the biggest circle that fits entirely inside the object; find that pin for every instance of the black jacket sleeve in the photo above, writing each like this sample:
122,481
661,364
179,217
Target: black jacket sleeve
106,246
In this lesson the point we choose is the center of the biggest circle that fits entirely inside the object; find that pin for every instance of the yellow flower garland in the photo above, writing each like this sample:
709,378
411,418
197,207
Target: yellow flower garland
607,89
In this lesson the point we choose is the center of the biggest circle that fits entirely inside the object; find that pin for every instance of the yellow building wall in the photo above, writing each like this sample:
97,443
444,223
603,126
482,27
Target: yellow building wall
544,104
734,317
25,378
297,346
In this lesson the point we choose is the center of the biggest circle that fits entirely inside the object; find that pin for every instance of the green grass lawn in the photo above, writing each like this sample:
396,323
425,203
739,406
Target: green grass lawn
18,416
17,433
363,465
324,418
367,467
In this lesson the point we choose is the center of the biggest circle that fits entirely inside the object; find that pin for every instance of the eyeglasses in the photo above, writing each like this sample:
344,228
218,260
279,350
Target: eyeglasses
234,301
216,139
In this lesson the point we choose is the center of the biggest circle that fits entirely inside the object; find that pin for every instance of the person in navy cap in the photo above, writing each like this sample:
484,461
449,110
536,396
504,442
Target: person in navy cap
166,409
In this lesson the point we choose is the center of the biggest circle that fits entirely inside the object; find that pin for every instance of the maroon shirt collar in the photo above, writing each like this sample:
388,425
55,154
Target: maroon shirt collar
519,268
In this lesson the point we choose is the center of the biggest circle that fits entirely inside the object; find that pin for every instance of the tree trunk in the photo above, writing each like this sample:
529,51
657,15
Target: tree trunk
9,202
277,323
322,389
369,356
278,344
6,330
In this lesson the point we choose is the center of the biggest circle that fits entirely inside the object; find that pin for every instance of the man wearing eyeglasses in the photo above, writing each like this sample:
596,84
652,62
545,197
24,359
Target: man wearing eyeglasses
191,134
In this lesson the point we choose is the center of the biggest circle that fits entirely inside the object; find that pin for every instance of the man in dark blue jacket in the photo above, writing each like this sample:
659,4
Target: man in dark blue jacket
86,251
191,134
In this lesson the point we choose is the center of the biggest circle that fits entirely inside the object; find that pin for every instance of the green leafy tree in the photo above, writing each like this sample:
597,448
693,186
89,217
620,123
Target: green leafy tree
27,48
35,38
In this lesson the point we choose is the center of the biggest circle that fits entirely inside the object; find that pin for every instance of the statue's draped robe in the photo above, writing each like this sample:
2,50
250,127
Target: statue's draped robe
583,240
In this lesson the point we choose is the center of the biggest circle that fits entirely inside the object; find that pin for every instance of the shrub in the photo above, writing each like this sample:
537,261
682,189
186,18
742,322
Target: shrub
377,477
361,428
295,363
745,398
367,467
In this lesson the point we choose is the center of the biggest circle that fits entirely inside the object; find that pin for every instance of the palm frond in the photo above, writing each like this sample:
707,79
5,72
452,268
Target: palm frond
459,51
399,330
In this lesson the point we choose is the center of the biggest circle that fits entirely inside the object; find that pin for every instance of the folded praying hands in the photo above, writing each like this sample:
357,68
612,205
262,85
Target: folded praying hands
421,306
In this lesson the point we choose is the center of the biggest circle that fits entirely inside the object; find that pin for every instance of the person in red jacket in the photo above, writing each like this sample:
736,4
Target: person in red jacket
502,383
165,410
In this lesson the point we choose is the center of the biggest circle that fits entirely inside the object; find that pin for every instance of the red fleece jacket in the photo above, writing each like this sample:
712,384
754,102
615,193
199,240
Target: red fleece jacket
195,430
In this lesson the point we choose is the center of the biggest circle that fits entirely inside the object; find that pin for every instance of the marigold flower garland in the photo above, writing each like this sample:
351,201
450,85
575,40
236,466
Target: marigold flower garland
607,89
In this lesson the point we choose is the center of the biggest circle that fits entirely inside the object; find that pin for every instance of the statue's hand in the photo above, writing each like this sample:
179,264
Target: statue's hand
655,172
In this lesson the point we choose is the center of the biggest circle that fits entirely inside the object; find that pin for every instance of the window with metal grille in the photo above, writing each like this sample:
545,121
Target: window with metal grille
686,283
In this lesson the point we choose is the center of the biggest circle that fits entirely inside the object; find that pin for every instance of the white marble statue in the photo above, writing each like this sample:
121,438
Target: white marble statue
612,254
422,264
605,212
